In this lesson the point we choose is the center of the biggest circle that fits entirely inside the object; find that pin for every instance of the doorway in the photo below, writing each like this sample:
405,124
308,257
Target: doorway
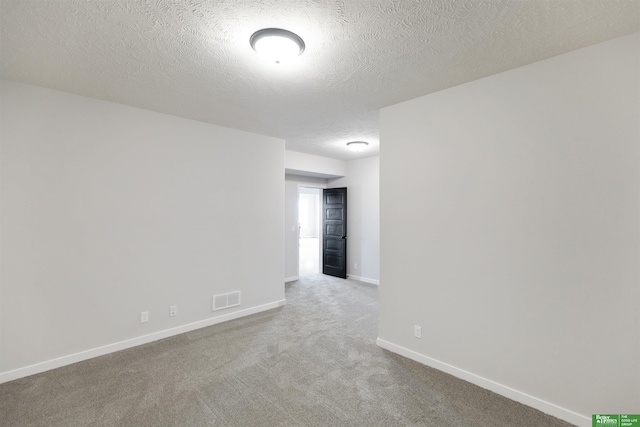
309,230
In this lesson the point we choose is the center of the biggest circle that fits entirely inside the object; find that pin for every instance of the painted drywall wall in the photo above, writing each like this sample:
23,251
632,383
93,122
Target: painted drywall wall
363,218
1,138
303,164
291,184
108,211
510,230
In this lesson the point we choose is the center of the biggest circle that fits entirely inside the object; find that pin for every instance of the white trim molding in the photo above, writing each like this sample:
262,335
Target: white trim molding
133,342
290,279
364,279
508,392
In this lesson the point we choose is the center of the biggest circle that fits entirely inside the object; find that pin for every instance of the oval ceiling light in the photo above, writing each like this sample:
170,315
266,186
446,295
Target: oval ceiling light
357,146
276,44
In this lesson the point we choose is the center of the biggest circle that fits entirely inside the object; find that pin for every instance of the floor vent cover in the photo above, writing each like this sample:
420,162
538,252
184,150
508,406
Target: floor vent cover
231,299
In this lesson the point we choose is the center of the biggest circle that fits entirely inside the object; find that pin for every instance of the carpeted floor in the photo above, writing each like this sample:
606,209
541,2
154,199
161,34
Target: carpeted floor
313,362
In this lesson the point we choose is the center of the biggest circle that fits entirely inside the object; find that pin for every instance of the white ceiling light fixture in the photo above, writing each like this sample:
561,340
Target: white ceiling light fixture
357,146
277,45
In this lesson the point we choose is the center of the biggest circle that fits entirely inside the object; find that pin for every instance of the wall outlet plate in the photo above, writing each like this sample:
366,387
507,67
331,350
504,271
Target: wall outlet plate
417,331
173,310
144,317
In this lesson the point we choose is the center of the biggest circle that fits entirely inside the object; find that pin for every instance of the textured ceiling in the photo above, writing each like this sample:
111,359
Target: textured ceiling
192,58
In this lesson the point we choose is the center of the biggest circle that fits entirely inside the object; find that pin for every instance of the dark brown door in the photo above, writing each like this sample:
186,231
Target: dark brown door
334,232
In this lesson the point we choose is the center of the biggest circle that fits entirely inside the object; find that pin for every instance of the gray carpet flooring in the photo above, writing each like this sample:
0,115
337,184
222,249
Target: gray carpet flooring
313,362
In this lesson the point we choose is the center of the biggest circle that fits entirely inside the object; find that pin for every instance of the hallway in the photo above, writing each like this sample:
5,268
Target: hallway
309,256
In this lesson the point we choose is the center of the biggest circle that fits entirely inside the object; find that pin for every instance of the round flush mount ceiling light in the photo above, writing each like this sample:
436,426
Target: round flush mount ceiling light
276,45
357,146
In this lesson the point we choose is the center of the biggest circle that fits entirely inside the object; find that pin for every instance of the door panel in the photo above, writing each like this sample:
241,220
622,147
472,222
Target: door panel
334,230
334,236
333,213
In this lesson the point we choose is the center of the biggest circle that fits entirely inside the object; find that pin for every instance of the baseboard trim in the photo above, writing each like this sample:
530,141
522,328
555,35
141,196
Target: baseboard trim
133,342
290,279
364,279
534,402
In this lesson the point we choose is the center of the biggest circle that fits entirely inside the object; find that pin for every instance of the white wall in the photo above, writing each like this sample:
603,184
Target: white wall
510,231
291,184
302,164
1,138
363,218
108,211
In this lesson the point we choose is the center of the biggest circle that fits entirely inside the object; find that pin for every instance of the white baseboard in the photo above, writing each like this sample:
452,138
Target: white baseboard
539,404
133,342
364,279
290,279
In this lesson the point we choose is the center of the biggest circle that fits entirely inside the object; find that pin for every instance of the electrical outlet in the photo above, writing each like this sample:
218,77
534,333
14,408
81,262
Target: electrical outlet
355,266
417,331
173,310
144,317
